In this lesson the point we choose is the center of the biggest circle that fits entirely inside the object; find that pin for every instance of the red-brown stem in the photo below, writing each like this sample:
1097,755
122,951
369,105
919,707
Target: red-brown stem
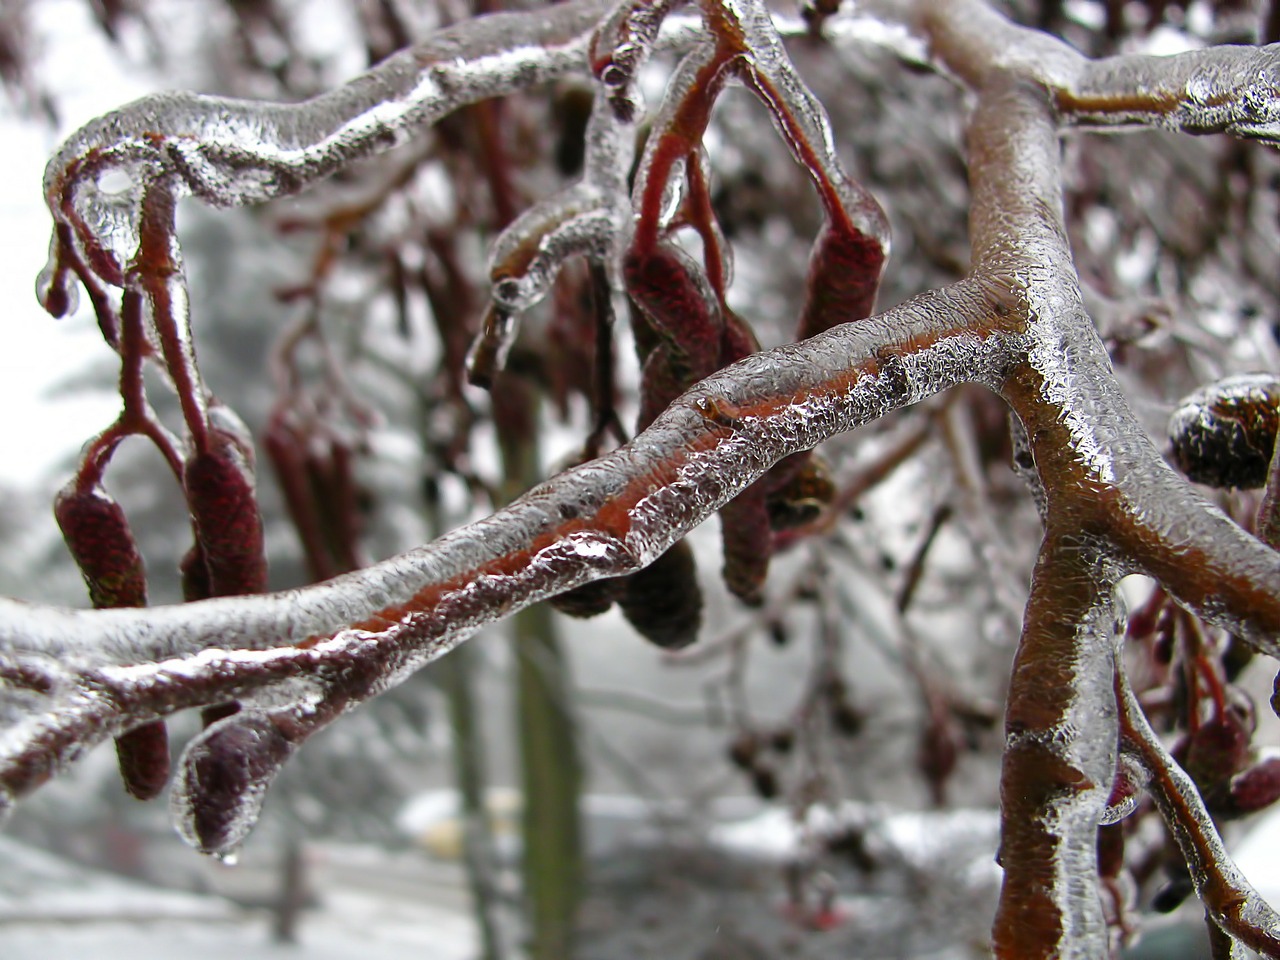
1229,900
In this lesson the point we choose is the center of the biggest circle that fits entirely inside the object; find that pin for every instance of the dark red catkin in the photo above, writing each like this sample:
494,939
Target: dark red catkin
663,601
223,502
97,533
228,558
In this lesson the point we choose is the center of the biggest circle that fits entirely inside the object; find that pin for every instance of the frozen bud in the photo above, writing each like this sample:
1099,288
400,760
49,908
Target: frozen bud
56,285
1223,434
664,601
223,781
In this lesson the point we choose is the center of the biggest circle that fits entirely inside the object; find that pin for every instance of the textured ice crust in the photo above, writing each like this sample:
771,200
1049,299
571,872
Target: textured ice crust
232,152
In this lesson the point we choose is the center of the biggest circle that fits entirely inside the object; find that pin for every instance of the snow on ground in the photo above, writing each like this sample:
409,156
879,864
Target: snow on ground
368,904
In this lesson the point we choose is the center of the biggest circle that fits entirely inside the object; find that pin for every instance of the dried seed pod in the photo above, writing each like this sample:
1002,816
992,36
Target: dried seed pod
744,749
765,782
846,719
664,601
782,740
1174,893
1223,435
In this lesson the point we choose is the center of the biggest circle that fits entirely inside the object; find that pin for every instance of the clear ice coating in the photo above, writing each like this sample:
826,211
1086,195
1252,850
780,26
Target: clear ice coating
1130,780
586,219
233,152
591,218
621,47
1223,435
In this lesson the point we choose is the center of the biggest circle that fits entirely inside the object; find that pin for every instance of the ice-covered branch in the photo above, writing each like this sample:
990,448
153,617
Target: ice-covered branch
233,152
109,670
1059,759
1227,89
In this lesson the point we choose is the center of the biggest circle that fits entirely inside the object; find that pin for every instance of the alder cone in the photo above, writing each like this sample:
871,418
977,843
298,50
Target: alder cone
805,496
663,601
1224,434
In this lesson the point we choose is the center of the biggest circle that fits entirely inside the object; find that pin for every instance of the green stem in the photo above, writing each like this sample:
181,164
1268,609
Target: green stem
551,775
454,674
